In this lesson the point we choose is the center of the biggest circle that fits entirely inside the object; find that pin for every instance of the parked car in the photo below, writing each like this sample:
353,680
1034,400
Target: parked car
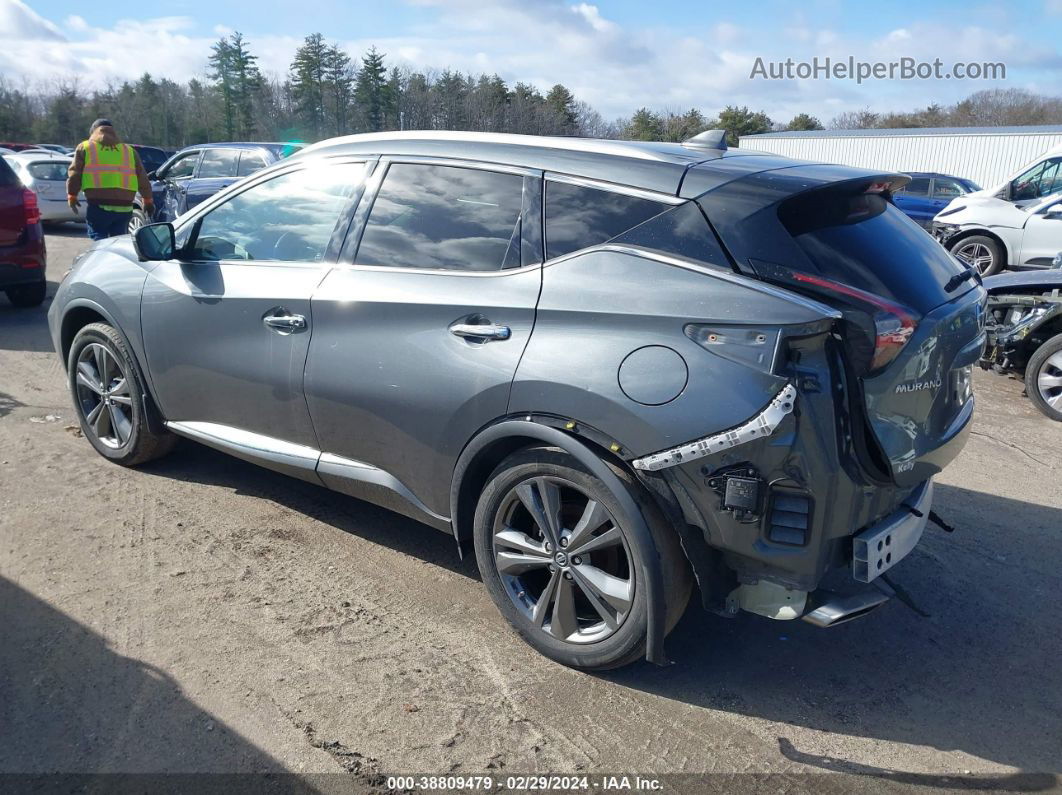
57,148
1025,333
196,173
16,147
45,175
991,234
928,193
22,250
542,347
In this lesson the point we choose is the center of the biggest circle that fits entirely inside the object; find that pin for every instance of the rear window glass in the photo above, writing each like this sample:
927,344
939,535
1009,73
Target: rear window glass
250,162
48,171
578,216
219,163
7,174
864,241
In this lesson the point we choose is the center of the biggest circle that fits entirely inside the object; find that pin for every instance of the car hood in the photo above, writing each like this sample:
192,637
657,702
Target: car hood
985,210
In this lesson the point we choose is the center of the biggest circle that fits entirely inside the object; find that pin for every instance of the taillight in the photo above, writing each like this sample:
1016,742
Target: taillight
31,208
893,324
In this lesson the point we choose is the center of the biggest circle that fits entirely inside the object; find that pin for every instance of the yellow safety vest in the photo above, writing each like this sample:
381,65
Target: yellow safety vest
109,167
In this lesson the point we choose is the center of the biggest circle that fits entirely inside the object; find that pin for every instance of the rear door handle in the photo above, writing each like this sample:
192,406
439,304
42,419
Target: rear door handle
285,324
481,331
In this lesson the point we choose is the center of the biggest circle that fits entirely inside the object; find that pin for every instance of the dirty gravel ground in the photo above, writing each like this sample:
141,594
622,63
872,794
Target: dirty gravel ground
201,614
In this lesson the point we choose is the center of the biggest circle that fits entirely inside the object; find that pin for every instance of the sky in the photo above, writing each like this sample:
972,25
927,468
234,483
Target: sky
618,56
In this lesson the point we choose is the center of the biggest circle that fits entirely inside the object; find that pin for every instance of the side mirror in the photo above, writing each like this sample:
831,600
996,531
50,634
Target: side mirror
151,175
155,242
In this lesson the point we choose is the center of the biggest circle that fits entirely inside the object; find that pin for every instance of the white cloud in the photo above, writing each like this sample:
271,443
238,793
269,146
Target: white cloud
19,21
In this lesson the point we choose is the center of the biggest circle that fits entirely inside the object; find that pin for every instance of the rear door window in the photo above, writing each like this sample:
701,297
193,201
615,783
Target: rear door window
219,163
944,188
919,186
579,216
446,218
250,162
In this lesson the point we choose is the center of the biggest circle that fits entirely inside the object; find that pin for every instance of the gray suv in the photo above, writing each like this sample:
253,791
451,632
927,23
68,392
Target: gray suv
610,368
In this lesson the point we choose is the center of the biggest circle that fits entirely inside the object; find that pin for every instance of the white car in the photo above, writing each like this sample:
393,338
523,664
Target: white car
45,174
1017,223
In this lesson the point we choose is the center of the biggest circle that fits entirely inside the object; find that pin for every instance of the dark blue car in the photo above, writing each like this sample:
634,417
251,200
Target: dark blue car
196,173
928,193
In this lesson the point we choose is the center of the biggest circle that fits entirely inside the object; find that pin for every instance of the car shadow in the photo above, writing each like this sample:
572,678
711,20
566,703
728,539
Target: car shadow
67,229
980,675
197,463
74,710
26,328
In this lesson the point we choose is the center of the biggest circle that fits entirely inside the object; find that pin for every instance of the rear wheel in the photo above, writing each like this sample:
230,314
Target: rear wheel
1043,378
109,398
980,252
27,295
554,551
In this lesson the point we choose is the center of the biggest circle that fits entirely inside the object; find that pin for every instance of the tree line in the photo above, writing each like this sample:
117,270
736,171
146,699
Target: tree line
326,92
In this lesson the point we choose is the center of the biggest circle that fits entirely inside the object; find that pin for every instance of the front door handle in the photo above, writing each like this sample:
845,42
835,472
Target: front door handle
481,331
284,323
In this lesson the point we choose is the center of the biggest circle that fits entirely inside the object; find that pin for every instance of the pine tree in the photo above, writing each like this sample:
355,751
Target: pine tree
561,102
371,90
308,83
339,79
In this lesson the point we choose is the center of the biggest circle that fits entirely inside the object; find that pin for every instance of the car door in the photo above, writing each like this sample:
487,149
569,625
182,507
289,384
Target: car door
227,324
217,170
417,338
170,183
915,202
1042,237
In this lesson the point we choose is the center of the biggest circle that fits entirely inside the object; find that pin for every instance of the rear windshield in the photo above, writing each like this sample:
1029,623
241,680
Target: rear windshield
48,171
864,241
7,175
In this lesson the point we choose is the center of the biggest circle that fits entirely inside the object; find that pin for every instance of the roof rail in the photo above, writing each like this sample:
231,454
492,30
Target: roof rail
709,139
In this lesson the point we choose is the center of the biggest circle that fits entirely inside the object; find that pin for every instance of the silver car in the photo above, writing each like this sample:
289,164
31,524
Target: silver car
610,368
44,173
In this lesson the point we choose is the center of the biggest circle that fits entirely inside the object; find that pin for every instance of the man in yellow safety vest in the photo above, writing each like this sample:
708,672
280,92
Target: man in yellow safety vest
111,174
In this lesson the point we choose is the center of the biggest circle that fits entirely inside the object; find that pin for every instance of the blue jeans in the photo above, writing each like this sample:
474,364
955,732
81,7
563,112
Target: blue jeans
105,223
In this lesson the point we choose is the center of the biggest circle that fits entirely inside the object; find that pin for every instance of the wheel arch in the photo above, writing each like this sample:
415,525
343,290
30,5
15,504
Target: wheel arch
496,442
83,312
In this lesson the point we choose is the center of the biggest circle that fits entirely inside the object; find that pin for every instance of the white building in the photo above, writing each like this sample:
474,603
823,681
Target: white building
987,155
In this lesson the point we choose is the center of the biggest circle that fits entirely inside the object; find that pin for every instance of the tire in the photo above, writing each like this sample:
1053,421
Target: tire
1043,378
109,398
520,567
27,295
137,219
982,252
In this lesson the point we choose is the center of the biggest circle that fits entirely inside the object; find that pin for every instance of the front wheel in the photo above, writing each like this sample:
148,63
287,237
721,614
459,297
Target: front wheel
982,253
1043,378
109,398
554,550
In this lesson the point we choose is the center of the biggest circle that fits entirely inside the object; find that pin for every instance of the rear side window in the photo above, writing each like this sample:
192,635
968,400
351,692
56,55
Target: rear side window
250,162
48,171
682,230
919,186
947,188
578,216
8,176
219,163
864,241
444,217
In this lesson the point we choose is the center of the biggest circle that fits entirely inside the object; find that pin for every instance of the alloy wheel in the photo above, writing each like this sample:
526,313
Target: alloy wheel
1049,381
977,255
135,222
564,560
103,395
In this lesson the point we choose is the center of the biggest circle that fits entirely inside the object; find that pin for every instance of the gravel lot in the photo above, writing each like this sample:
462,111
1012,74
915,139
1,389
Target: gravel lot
201,614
